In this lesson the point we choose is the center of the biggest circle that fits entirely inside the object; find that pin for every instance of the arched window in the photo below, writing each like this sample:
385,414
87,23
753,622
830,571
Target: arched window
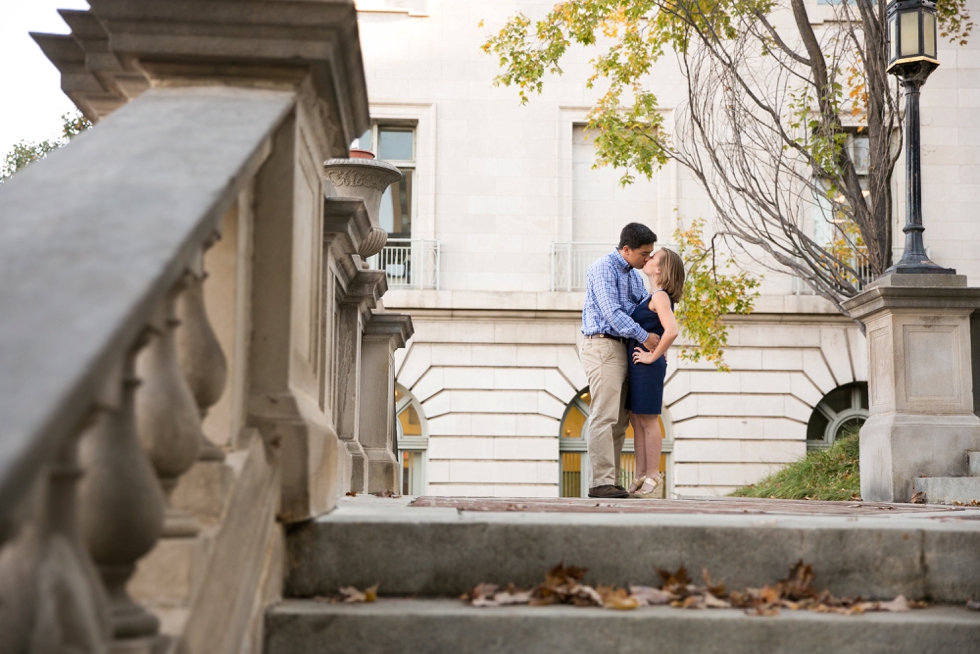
413,441
573,448
842,410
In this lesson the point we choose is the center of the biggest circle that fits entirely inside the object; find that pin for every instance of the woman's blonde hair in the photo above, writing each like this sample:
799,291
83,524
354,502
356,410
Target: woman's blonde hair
672,274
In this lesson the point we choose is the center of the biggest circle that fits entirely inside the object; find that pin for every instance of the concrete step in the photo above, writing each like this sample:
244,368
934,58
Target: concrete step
440,626
948,490
871,551
973,461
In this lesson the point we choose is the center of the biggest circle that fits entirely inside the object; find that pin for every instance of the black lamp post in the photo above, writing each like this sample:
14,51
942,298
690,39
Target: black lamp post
911,58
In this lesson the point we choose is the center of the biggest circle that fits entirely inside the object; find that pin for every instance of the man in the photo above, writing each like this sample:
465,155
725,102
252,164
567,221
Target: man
614,287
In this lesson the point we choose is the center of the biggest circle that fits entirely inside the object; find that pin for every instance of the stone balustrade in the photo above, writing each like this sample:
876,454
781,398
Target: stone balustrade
192,351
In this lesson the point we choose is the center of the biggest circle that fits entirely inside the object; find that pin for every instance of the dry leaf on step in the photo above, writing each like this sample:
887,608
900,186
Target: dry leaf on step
353,596
617,598
898,605
649,596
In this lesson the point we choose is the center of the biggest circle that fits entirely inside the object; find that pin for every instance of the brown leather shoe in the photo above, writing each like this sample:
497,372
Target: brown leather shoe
609,492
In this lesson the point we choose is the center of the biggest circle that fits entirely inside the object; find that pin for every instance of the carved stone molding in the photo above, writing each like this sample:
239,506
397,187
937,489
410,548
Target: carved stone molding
118,49
369,173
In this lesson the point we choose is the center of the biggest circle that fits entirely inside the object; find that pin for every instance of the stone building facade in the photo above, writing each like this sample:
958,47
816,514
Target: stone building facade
501,212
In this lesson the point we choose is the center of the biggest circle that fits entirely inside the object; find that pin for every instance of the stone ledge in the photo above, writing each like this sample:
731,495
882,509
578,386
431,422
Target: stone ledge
436,626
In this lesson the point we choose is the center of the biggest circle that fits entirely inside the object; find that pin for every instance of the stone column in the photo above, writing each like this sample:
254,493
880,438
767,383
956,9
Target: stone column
921,381
385,333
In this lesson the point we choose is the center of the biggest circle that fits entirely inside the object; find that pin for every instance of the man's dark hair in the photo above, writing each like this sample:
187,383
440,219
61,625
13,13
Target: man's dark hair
636,235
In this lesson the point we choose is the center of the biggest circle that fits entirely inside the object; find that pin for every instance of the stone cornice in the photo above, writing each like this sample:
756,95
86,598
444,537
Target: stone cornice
877,299
397,327
365,289
121,47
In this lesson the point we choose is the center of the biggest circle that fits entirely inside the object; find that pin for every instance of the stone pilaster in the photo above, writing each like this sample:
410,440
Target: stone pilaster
921,381
383,334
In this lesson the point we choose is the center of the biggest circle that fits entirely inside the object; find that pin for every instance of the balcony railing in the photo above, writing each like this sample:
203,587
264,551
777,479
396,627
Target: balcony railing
859,262
409,263
570,261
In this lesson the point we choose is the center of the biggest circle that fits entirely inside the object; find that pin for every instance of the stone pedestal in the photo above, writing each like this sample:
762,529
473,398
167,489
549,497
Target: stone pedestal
921,381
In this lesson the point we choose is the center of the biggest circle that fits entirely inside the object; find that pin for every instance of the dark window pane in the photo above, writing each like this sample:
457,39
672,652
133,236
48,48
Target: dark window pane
396,145
396,207
817,425
571,474
839,399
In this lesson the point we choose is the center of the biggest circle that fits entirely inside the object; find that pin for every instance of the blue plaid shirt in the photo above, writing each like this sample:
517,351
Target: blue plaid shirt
613,289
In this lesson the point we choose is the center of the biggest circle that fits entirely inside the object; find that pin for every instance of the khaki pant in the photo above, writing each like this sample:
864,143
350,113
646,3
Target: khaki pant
605,365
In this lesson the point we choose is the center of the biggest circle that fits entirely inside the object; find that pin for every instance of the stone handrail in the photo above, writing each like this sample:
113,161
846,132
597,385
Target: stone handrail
192,352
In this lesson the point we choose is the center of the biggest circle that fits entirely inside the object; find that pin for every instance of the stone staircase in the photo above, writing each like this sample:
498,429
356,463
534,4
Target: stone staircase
423,557
952,490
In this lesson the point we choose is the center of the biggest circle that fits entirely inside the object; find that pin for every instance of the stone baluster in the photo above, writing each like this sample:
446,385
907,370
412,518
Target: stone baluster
51,597
201,358
121,510
167,418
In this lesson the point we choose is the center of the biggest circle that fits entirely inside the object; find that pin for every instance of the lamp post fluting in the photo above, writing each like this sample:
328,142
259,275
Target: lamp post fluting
912,58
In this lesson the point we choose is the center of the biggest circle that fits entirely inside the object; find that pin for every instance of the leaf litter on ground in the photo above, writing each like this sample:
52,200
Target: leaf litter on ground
564,585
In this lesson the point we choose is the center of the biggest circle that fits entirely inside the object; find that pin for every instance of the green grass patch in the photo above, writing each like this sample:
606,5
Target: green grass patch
831,474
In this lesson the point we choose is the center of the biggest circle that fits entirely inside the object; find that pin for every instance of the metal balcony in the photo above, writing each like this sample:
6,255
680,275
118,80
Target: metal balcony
409,263
570,261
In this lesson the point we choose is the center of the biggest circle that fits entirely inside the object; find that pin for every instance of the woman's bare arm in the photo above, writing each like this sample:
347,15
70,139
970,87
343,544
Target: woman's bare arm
660,302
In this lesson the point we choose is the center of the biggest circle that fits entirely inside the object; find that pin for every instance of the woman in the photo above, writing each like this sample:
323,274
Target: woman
647,370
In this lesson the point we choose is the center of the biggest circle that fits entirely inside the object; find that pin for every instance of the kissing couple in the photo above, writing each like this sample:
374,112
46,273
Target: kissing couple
627,332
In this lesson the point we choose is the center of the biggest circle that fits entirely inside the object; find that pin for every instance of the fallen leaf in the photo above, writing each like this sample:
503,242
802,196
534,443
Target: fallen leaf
713,588
918,497
649,596
764,611
351,494
973,605
617,598
897,605
678,578
712,602
690,602
770,595
353,596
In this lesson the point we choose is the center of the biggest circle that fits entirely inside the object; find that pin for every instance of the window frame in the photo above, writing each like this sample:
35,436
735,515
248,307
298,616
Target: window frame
404,444
401,125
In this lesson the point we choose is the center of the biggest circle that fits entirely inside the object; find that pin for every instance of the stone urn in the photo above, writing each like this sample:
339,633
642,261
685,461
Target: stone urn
366,179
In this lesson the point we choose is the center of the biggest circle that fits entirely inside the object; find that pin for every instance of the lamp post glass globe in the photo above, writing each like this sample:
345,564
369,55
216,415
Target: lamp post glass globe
912,58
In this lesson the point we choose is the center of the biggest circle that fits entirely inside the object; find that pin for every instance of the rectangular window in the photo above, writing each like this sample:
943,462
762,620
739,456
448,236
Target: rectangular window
396,145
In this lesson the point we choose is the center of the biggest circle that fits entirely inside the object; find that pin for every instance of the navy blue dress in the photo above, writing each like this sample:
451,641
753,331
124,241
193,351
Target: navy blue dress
646,387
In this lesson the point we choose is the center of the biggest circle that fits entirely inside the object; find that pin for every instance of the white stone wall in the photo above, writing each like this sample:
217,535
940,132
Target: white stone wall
493,390
493,360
